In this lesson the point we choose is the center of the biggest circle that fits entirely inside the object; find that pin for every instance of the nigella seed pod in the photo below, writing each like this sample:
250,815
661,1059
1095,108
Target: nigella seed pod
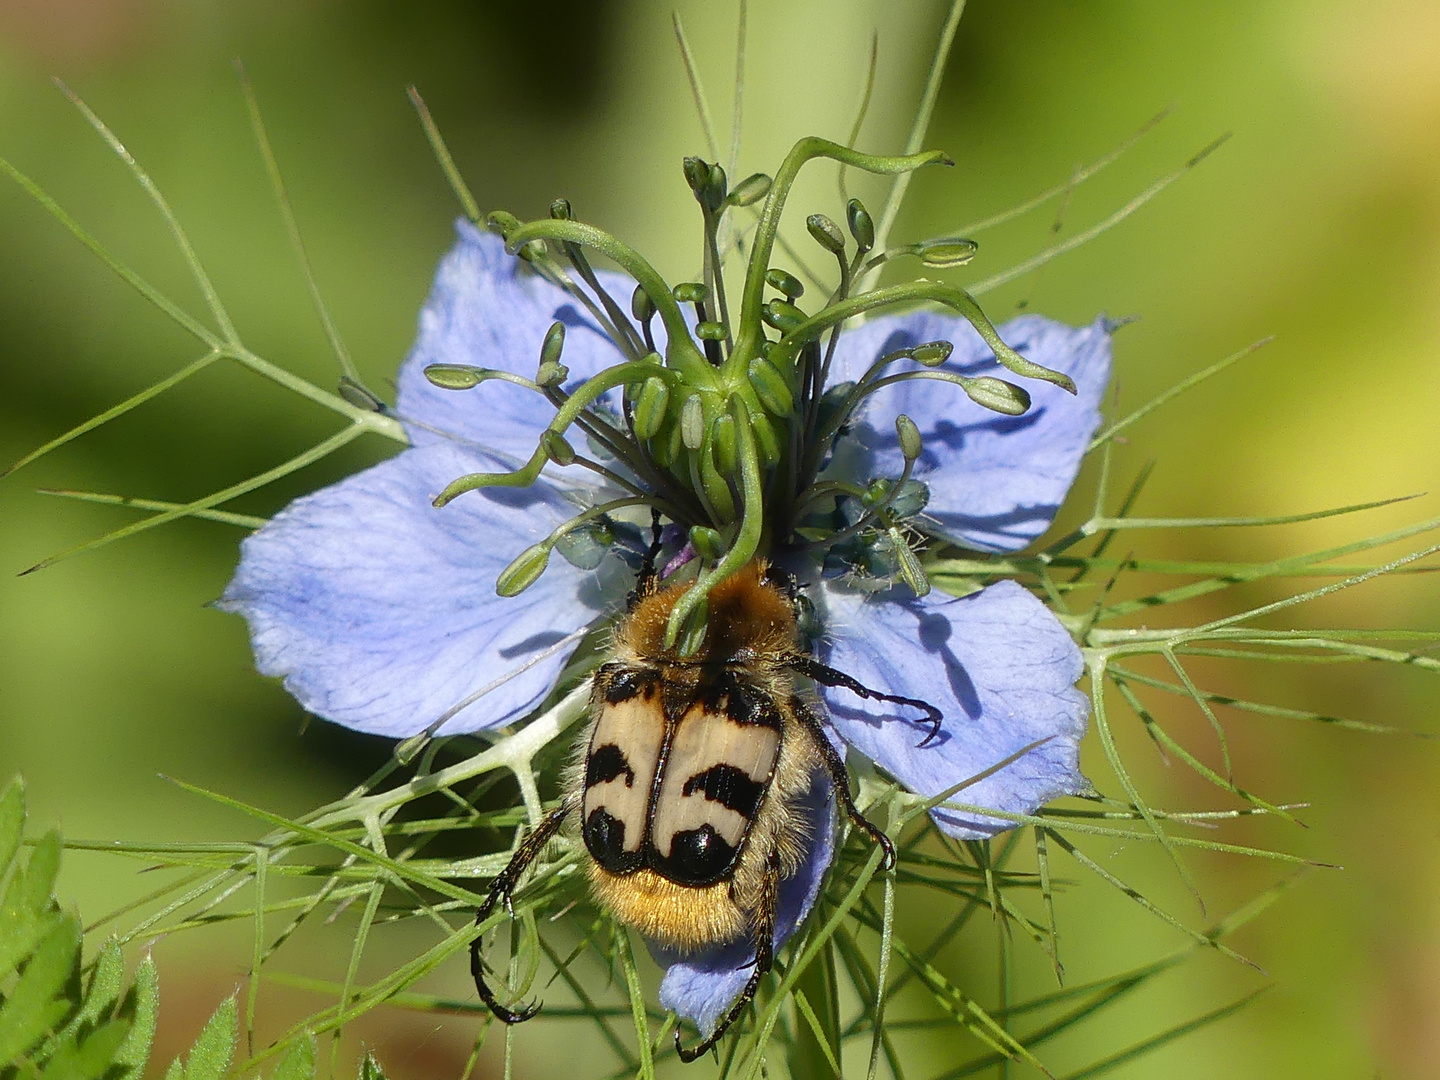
771,387
932,353
826,233
786,283
862,227
650,408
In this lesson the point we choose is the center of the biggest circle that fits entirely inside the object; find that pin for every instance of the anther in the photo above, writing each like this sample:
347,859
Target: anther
690,292
357,395
782,316
932,353
997,395
557,448
771,387
723,445
553,344
692,422
826,233
750,190
862,227
909,436
524,571
454,376
586,546
502,222
707,542
945,253
779,279
650,408
560,209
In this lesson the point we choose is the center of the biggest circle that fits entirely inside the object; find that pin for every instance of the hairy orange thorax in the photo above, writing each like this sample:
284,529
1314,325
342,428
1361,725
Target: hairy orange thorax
748,615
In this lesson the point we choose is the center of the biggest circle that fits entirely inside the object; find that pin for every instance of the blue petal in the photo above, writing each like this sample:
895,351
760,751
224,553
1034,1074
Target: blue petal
999,667
701,988
489,309
995,481
380,612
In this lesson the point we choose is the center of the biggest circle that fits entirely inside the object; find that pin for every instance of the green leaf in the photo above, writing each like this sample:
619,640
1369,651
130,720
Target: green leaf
299,1062
89,1058
21,927
812,1055
105,985
142,1006
211,1055
12,822
38,1002
40,874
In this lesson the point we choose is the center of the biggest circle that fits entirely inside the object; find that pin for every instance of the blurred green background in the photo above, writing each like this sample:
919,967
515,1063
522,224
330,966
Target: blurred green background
1318,222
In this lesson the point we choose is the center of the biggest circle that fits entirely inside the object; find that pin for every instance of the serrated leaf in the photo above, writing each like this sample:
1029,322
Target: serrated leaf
142,1007
21,929
370,1069
105,985
40,874
91,1058
12,822
299,1061
211,1055
176,1071
37,1004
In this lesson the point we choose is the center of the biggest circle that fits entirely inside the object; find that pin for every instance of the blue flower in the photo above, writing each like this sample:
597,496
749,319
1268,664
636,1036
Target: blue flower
380,612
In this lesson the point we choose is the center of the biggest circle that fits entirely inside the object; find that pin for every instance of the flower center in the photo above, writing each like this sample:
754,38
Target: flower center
727,426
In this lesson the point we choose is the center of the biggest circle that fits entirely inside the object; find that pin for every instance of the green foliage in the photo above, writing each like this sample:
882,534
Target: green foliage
847,985
60,1020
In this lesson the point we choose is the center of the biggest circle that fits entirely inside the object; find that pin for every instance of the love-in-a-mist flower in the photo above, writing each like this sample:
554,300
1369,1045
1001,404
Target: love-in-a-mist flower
832,441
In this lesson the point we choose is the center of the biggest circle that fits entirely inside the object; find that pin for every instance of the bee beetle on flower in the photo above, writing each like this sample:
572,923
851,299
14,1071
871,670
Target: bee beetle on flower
739,486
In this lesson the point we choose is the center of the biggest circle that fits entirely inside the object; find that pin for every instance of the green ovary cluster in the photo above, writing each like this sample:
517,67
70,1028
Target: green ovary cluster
724,427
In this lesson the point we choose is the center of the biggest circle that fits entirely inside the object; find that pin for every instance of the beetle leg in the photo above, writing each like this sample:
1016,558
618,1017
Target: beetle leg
648,579
500,890
840,781
764,960
826,675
